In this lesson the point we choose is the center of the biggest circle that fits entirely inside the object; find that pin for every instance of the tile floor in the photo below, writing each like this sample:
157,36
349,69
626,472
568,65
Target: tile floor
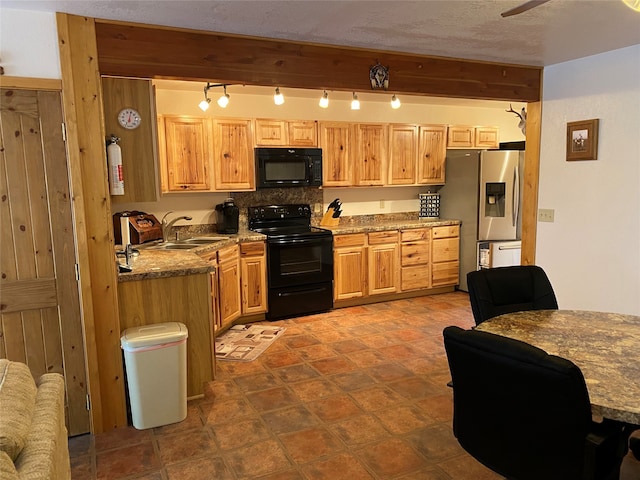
356,393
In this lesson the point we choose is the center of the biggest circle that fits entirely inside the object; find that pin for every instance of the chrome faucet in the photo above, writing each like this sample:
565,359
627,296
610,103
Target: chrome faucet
166,225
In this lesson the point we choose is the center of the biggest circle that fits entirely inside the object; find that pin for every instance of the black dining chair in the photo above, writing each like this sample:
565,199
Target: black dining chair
525,414
495,291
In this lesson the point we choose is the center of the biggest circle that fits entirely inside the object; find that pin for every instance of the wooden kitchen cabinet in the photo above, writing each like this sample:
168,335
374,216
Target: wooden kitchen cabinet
253,275
184,299
286,133
233,159
403,154
383,262
445,255
432,153
336,139
464,136
185,153
138,145
349,266
415,259
229,295
370,161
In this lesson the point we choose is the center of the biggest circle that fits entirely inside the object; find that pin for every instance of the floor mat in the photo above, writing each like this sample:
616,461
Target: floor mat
243,343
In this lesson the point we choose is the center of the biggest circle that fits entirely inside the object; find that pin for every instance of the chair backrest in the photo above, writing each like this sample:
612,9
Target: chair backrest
519,411
495,291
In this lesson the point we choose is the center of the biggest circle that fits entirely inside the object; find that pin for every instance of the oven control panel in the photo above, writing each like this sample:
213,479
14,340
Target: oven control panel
267,212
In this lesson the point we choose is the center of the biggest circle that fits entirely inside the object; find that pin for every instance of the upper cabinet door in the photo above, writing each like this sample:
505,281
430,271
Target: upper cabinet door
137,144
185,153
335,141
233,161
271,132
432,154
371,157
303,133
403,154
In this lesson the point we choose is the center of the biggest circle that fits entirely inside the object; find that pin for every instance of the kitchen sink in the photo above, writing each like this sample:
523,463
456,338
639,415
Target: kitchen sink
186,244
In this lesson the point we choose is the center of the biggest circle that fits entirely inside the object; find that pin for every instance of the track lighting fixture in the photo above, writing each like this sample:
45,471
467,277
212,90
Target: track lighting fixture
223,101
395,102
324,100
355,103
278,98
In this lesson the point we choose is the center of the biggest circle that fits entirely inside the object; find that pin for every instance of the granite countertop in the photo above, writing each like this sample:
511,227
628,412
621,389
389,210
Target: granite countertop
150,263
378,225
603,345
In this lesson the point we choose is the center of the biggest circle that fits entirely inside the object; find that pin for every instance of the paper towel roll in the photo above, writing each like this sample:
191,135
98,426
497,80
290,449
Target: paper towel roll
124,229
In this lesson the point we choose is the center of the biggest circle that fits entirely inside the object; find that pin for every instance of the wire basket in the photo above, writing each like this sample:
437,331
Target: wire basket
429,205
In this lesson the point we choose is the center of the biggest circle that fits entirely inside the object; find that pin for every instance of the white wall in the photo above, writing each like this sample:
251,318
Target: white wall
29,44
592,250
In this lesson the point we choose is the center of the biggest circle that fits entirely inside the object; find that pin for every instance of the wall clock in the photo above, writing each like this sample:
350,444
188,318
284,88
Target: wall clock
129,118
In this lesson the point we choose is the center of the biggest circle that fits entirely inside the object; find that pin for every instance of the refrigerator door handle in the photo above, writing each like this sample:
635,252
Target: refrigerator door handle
516,195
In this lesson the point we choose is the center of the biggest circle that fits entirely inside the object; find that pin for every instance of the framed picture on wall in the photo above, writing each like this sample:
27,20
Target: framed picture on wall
582,140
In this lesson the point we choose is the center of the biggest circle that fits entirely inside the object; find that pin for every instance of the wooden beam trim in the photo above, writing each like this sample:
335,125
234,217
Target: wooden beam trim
158,52
27,83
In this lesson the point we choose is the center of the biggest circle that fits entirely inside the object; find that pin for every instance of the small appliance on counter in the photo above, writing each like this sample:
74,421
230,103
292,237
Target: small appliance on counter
143,227
227,217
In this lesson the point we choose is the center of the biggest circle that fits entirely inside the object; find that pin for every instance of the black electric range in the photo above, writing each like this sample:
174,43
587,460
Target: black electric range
299,259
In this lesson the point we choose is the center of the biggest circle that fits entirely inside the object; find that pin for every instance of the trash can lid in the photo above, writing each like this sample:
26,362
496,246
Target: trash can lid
156,334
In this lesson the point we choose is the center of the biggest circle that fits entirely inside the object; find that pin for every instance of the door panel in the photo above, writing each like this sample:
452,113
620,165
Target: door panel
40,321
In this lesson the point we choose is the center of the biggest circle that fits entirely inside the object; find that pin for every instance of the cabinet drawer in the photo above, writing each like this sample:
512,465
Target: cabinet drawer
252,248
415,234
414,253
448,231
446,249
228,254
211,257
352,240
445,273
415,277
378,238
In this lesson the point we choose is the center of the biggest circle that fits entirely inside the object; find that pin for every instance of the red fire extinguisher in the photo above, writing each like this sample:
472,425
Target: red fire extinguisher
114,161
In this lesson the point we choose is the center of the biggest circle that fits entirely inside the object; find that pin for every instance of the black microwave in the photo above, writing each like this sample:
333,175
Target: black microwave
288,167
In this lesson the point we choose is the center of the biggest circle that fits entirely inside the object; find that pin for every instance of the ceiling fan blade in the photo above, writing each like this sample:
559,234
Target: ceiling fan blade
524,7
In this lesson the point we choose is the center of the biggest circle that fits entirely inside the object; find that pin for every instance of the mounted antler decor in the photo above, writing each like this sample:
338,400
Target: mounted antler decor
379,76
522,124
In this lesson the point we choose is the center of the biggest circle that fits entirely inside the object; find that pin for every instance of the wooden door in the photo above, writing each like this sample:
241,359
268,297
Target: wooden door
432,154
371,157
185,158
303,133
349,266
40,322
403,153
271,132
253,273
335,141
229,285
233,161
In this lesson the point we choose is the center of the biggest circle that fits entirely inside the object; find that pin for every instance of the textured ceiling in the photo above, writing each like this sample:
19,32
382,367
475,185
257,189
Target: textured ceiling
557,31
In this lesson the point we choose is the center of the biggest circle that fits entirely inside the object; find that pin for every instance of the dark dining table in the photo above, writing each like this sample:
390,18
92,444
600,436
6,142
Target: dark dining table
605,346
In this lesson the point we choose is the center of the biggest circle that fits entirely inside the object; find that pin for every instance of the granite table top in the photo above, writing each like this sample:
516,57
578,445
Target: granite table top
376,225
605,346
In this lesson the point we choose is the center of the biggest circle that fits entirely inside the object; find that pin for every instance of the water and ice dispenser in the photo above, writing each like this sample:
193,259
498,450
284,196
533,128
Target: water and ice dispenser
495,199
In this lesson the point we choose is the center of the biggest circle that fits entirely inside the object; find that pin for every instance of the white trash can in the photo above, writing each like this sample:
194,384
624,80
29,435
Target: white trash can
156,364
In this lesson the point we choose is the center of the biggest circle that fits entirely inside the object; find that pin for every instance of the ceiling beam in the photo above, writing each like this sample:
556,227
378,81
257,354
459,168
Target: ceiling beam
148,51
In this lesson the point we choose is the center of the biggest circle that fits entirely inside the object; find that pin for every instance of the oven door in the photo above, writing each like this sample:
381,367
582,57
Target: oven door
299,260
282,171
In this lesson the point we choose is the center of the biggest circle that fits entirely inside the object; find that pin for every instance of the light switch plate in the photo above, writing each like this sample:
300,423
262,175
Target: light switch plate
545,214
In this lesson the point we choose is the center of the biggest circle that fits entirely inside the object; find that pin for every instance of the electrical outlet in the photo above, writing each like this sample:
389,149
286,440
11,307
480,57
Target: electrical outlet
381,203
545,214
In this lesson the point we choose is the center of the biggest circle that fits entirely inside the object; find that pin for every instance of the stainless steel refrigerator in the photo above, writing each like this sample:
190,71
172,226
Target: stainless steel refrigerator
484,190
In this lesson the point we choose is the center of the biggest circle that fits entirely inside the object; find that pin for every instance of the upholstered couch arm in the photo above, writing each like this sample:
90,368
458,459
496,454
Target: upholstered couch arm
46,453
